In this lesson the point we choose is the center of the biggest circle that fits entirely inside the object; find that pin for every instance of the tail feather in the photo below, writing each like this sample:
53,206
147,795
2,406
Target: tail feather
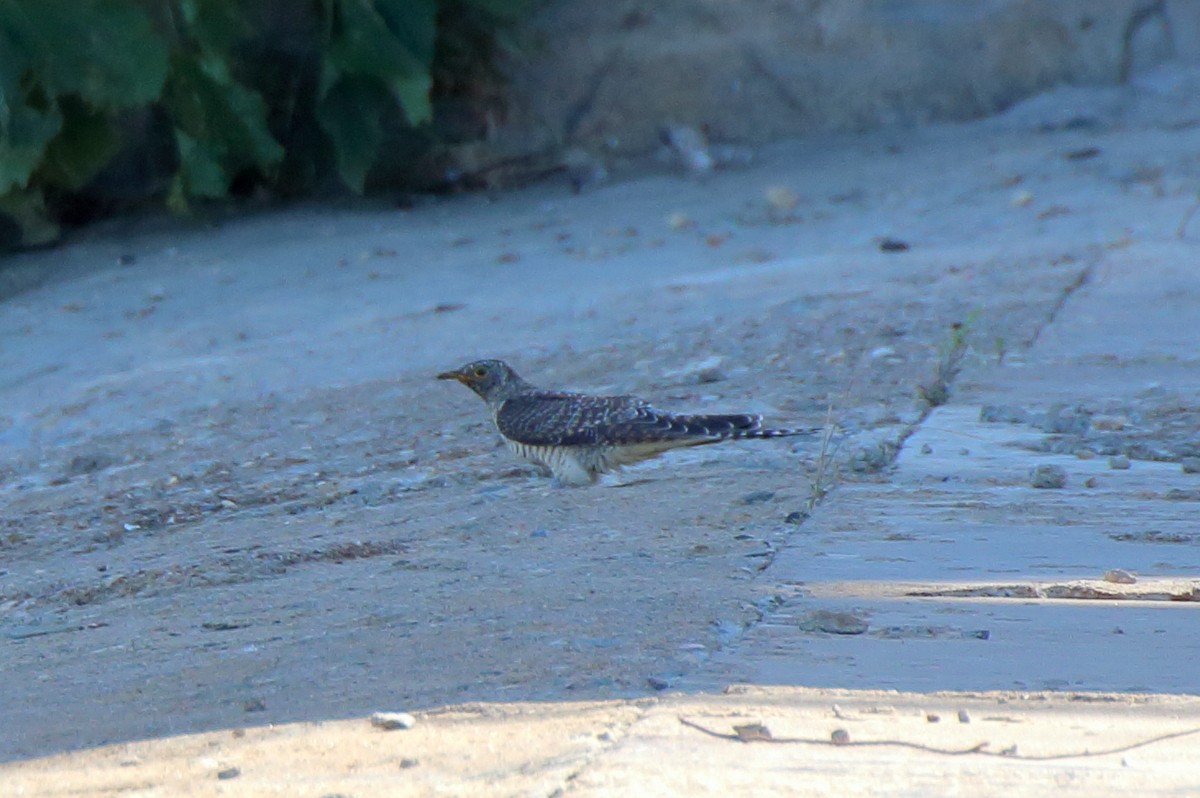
731,427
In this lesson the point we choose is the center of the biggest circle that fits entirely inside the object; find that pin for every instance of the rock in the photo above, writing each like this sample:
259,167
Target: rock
795,517
701,371
1119,462
836,623
931,717
1190,465
389,721
229,773
661,681
893,245
583,169
539,533
757,497
751,732
1119,576
1048,477
690,146
1002,414
839,737
963,717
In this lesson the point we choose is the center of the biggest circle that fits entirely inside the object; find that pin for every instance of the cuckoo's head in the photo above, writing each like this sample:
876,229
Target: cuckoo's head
493,380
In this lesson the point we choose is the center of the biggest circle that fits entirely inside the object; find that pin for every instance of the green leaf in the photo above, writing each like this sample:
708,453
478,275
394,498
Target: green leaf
226,117
200,171
86,143
24,134
28,210
351,115
103,50
217,25
365,44
413,23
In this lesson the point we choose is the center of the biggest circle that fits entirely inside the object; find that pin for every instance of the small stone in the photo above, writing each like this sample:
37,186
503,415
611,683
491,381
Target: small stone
660,682
963,717
1119,462
926,448
254,705
703,371
539,533
1002,414
389,721
690,147
1090,482
679,221
751,732
932,718
757,497
1085,453
795,517
839,737
1190,465
837,623
782,199
1120,576
408,762
228,773
893,245
1048,477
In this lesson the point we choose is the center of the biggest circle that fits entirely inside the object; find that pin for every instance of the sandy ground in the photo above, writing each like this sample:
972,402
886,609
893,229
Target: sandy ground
234,497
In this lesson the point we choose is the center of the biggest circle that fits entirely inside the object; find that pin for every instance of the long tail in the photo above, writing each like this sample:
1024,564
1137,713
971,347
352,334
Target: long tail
714,428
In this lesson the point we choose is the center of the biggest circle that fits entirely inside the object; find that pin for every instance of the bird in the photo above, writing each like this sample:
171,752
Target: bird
577,437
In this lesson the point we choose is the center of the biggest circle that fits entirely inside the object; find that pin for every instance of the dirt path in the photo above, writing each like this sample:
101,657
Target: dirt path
234,496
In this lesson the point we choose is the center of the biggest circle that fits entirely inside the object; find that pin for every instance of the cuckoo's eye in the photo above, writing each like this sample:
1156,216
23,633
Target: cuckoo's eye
481,371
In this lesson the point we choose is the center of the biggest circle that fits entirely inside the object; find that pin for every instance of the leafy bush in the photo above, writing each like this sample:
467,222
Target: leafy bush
240,109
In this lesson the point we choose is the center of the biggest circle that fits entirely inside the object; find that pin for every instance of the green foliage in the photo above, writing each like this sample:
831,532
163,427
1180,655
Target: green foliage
69,70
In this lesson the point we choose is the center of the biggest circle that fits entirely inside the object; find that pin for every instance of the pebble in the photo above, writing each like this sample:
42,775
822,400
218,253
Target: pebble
750,732
539,533
658,682
926,448
1048,476
840,737
392,720
757,497
229,773
690,147
1190,465
837,623
930,717
963,717
679,221
703,371
782,198
1119,462
1120,576
795,517
1002,414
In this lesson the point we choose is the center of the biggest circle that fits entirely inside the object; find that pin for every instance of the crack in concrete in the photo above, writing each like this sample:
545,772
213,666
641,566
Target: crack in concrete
622,729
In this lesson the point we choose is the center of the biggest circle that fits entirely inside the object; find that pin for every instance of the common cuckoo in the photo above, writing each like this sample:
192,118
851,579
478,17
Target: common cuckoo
578,437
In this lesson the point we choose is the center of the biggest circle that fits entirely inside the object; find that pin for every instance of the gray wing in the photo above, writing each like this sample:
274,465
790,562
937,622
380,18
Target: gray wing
565,419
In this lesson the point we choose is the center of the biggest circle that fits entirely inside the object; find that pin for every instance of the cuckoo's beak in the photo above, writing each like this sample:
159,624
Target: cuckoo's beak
453,375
